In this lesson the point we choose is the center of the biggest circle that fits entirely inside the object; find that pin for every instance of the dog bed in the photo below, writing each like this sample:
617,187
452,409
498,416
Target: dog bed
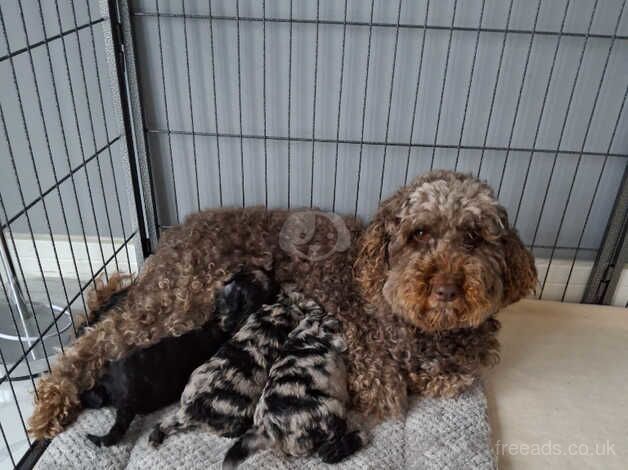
435,434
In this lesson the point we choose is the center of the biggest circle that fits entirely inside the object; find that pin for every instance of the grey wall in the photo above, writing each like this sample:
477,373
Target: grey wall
605,114
88,196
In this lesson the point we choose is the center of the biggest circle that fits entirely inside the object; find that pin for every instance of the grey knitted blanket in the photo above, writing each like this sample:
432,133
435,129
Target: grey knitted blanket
435,434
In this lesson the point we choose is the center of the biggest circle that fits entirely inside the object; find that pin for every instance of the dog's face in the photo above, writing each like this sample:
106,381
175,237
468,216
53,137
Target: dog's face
441,254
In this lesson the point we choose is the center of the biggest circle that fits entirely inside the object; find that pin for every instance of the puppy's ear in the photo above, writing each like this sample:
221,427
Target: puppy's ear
520,273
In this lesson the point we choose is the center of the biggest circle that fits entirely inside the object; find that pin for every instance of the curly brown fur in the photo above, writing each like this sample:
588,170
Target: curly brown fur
104,298
387,312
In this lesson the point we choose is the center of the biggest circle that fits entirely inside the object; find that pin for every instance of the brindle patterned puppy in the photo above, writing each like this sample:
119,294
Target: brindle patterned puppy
221,394
303,406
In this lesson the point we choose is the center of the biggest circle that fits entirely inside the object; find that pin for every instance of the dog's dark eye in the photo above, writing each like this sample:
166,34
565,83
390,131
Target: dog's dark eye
471,240
421,235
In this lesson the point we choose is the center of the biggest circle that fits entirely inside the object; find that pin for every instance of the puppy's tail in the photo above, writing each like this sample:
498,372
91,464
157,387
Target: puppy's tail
339,449
252,441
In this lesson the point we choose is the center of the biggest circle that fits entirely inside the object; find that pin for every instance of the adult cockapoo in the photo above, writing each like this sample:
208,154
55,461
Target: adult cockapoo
416,291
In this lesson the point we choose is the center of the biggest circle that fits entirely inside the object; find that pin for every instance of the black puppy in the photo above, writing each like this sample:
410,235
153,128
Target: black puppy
150,378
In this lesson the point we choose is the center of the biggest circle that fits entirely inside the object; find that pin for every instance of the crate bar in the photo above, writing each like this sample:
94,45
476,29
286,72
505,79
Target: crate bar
240,100
122,45
31,204
83,165
34,165
15,400
390,97
517,105
72,300
613,253
236,135
595,190
342,73
48,40
584,142
542,114
213,73
318,6
442,90
264,103
416,92
126,100
91,126
471,75
6,444
364,103
377,24
189,83
497,77
289,99
166,114
78,131
20,190
560,140
107,137
17,328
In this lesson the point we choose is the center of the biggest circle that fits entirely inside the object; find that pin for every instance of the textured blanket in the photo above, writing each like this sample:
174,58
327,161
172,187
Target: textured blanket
435,434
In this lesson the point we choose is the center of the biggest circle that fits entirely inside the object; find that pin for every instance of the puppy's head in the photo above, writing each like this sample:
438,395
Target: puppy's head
243,293
441,254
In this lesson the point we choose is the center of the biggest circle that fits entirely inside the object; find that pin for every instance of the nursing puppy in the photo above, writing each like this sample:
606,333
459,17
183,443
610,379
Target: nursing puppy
302,409
221,395
150,378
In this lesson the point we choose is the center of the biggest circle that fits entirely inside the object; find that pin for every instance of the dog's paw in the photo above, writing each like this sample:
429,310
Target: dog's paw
156,437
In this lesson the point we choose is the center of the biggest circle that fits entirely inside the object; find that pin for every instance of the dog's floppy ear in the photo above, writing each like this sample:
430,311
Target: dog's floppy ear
371,263
520,271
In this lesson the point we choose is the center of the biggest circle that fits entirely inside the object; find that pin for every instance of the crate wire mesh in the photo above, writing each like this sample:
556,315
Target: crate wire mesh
64,199
337,104
286,103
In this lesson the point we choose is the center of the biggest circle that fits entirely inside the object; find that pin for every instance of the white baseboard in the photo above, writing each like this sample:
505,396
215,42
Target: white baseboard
71,266
557,276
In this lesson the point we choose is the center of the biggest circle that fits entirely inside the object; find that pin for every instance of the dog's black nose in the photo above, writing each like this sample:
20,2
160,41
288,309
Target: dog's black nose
446,292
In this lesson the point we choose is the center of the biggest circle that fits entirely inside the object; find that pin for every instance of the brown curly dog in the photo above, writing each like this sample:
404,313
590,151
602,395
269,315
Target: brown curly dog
415,292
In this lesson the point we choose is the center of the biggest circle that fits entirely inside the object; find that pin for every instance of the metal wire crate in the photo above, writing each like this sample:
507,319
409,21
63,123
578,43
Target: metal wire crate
120,118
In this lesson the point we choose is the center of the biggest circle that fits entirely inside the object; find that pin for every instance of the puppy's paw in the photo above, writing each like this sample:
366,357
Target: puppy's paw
340,449
156,437
97,440
103,441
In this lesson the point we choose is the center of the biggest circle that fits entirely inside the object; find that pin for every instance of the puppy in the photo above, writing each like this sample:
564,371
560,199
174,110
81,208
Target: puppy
303,406
221,395
152,377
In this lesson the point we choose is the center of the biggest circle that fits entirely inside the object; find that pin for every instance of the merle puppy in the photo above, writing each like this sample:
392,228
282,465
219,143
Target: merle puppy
153,377
221,394
302,409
